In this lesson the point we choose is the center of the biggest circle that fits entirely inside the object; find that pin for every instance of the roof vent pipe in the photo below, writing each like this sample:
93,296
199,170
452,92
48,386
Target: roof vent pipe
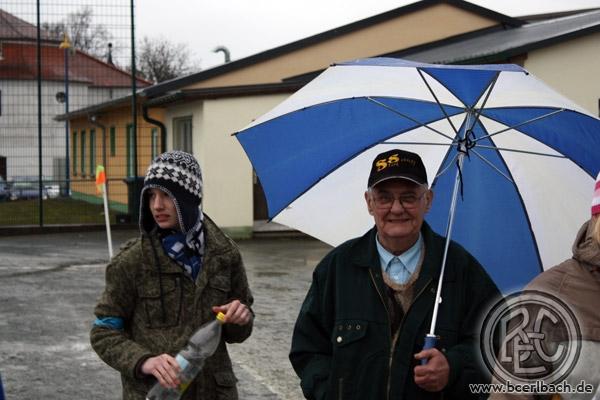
225,51
109,58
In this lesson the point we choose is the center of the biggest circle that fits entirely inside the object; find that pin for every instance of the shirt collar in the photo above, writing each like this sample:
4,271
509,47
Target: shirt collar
409,258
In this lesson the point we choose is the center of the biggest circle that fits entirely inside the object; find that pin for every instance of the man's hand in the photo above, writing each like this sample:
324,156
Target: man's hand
235,312
432,376
164,368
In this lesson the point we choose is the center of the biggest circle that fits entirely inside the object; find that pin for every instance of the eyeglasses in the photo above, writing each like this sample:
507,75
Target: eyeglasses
385,201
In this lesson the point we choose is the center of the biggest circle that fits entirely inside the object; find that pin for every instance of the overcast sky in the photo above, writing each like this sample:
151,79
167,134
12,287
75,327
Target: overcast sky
247,27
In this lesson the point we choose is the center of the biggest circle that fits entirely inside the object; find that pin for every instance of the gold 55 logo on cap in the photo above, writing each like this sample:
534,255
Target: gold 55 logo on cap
397,164
393,160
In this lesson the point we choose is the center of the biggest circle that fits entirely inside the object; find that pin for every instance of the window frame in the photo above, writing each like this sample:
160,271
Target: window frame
154,151
74,150
82,155
92,152
178,143
113,141
129,151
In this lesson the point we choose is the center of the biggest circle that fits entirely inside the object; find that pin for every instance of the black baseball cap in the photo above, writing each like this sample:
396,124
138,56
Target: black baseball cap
397,164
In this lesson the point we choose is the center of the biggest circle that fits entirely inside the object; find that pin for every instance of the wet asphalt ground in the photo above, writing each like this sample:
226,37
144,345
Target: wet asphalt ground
49,285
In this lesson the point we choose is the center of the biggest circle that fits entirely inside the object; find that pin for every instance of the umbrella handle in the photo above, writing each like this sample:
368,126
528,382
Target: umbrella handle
430,343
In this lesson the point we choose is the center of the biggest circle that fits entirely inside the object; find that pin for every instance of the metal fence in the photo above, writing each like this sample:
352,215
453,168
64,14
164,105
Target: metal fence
57,57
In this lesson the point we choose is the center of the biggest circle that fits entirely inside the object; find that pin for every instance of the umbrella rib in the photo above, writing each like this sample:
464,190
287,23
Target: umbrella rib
519,124
447,166
487,96
437,100
492,165
408,117
522,151
421,143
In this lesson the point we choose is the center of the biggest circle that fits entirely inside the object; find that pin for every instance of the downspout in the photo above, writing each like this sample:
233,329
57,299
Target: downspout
93,118
163,129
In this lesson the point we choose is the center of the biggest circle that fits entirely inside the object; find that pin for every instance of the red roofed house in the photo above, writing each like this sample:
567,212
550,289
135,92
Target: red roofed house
90,81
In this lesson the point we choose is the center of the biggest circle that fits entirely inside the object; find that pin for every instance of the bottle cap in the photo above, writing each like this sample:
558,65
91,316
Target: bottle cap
221,317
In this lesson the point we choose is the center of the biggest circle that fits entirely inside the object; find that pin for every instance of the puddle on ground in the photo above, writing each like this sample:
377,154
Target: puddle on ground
269,274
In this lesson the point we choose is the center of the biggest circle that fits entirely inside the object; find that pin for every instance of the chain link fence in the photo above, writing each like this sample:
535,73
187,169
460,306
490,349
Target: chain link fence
60,61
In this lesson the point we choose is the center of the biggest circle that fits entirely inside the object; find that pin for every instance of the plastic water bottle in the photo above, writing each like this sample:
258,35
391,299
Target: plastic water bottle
201,345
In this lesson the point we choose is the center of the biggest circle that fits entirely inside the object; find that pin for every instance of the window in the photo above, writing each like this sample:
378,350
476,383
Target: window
82,153
130,151
74,155
154,146
113,145
182,134
92,152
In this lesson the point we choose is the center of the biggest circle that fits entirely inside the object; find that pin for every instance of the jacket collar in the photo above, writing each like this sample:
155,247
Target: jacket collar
153,251
364,254
370,257
216,243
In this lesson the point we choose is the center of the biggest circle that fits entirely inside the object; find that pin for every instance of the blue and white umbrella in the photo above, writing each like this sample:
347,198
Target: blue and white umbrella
528,157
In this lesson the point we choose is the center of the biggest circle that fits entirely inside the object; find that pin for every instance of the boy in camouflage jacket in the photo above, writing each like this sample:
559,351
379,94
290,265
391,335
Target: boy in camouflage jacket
162,286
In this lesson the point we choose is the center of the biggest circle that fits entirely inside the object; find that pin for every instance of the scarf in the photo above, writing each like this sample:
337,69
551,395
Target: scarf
188,258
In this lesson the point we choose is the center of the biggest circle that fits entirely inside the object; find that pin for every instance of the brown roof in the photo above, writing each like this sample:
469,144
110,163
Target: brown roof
182,82
19,58
15,28
20,62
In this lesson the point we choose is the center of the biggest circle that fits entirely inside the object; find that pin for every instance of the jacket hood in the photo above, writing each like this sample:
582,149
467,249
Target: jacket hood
585,249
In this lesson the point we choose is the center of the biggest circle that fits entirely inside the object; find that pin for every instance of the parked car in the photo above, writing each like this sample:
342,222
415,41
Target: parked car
24,188
4,190
52,189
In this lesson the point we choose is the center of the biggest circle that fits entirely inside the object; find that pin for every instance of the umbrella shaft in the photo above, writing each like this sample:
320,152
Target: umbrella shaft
438,296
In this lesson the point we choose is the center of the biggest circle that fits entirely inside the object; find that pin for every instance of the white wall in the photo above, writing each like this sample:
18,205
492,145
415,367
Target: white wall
571,68
226,170
19,123
97,95
19,126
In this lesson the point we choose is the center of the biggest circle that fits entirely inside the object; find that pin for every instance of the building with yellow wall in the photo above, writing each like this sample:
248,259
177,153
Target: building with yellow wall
201,111
105,136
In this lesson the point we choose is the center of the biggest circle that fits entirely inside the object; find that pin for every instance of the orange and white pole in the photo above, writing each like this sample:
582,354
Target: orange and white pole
101,187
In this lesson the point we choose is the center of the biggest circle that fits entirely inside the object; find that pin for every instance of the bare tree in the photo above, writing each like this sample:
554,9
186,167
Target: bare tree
160,60
83,34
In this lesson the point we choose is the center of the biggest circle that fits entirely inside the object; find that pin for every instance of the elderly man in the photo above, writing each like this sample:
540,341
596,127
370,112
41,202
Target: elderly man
361,328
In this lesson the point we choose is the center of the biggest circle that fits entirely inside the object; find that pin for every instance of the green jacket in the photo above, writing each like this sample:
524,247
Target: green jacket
133,293
342,346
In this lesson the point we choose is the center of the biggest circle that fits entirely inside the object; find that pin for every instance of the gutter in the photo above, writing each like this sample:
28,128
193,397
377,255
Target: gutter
163,128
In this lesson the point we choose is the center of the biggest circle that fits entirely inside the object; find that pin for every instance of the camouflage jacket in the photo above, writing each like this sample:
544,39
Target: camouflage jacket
133,294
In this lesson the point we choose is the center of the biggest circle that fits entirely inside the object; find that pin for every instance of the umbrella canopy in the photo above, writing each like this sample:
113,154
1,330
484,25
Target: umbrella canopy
528,156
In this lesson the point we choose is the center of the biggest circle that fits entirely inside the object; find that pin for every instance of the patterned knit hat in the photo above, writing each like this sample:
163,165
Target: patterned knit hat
178,174
596,198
